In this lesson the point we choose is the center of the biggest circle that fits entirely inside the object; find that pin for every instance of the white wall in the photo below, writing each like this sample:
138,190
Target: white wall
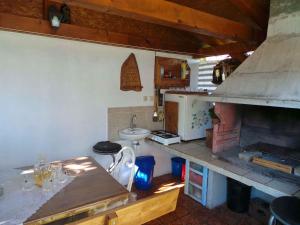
54,95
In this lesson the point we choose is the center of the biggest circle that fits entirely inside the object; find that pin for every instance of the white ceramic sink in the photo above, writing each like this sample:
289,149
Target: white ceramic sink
134,134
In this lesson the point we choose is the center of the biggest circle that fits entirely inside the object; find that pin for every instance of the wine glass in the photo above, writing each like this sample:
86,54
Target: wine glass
48,175
38,172
27,181
60,175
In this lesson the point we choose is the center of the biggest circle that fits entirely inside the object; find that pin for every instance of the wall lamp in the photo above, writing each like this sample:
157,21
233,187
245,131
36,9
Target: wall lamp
56,16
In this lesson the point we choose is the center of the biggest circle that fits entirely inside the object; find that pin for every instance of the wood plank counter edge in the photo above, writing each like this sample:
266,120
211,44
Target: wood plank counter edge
138,212
76,211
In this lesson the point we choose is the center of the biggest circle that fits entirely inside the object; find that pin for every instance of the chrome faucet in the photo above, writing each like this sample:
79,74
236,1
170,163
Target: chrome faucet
132,122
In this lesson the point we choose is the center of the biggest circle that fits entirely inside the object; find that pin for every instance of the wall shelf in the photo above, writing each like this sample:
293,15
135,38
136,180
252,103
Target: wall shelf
169,72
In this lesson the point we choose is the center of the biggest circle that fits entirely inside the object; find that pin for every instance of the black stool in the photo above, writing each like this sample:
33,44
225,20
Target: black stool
108,148
285,210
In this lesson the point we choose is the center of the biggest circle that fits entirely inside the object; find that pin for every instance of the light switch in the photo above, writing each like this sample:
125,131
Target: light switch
151,98
145,98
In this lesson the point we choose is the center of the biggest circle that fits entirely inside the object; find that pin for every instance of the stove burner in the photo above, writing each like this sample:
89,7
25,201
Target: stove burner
164,137
167,136
163,133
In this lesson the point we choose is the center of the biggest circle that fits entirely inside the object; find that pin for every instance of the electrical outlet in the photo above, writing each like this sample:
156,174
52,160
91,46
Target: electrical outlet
151,98
145,98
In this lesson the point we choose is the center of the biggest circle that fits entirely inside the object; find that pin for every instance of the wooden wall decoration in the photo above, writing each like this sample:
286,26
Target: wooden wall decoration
130,76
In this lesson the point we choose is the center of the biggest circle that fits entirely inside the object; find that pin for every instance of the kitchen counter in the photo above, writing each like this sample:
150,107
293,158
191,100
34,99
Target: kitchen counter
197,152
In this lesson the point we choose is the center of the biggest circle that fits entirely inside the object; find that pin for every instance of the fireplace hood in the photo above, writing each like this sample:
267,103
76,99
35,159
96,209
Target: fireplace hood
271,75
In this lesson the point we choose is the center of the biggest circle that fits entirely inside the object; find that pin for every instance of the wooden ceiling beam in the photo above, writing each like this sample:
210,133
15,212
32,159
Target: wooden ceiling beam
207,40
173,15
67,31
231,49
257,10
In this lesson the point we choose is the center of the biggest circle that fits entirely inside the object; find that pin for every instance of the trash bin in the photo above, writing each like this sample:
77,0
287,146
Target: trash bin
144,172
238,196
177,164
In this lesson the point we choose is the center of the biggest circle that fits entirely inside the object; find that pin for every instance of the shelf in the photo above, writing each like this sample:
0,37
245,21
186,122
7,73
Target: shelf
195,193
196,198
196,171
173,67
196,167
195,185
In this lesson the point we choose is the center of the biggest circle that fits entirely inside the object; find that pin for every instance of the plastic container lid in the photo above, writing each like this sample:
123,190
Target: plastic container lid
106,147
178,160
145,160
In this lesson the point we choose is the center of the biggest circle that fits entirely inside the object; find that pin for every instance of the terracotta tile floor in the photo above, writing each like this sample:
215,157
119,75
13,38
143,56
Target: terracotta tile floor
189,212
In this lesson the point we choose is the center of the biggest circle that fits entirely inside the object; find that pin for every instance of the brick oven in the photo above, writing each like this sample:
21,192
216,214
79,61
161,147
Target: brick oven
273,131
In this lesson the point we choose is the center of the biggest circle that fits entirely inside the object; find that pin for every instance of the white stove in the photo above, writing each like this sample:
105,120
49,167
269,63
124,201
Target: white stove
164,137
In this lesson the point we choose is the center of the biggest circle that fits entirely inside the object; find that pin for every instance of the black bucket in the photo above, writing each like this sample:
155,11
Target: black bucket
238,196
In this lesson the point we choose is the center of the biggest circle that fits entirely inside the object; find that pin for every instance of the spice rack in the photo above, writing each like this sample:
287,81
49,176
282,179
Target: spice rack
196,182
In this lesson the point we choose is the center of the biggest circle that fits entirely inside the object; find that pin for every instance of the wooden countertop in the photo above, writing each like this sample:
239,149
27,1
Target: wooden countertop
197,152
92,188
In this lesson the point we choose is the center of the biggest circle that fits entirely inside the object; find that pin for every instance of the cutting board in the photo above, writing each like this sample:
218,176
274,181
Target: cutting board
171,117
275,157
273,165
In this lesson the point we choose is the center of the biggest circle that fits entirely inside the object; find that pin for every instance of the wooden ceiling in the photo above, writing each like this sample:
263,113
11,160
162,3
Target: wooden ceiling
194,27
